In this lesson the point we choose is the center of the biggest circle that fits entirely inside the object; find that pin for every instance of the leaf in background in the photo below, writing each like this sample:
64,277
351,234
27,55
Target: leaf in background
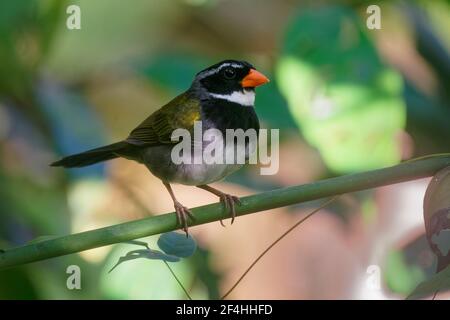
427,121
14,77
345,102
74,124
174,71
26,34
206,272
29,177
272,108
111,35
145,279
177,244
49,18
438,282
400,276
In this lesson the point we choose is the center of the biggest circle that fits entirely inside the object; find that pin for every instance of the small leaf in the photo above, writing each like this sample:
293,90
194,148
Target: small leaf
438,282
145,254
40,239
177,244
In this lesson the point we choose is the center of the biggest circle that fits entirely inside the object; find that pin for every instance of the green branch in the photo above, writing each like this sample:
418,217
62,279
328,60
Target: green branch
410,170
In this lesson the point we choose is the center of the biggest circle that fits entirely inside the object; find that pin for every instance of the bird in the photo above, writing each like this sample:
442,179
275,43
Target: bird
220,97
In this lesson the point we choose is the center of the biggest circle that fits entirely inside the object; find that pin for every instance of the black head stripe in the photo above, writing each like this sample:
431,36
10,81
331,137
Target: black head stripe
223,64
216,79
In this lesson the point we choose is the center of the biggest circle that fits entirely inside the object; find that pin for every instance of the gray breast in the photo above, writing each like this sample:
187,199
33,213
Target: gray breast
158,160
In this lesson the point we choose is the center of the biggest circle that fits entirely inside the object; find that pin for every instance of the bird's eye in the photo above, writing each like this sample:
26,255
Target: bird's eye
229,73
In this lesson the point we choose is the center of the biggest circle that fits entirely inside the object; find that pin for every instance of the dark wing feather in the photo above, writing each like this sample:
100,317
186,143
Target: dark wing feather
157,129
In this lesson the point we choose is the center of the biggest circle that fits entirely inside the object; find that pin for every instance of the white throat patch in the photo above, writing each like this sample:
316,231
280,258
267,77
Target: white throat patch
246,98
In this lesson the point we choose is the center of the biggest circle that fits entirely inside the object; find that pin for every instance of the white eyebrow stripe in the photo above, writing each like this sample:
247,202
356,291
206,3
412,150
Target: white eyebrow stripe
213,71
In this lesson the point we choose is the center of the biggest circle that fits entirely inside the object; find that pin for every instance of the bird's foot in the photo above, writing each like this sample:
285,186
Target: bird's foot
229,201
183,214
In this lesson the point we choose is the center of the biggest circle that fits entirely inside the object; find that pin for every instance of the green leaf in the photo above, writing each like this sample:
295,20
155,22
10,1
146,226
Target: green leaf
438,282
401,277
146,279
145,254
177,244
346,103
272,108
98,45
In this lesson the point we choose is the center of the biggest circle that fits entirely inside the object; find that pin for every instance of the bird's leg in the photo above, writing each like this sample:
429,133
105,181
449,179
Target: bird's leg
228,200
182,212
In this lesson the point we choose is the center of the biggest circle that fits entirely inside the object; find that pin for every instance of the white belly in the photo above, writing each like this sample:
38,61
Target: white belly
197,174
197,171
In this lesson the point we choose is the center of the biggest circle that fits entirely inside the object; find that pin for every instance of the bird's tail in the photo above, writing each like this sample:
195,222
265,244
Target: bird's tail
92,156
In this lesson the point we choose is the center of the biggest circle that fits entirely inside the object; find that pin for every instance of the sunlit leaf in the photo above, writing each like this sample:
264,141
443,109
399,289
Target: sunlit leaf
177,244
136,29
45,209
400,276
344,100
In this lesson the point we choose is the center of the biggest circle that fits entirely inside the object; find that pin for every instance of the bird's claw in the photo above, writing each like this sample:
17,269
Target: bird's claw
183,214
229,201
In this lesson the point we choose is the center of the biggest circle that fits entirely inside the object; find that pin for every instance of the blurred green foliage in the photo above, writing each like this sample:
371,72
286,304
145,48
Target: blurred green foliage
346,103
439,282
330,85
147,279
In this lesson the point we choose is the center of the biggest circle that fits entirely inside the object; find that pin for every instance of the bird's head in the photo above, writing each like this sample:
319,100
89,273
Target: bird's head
230,80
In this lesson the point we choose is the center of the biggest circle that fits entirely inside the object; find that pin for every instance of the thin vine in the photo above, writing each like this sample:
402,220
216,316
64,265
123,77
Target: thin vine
274,243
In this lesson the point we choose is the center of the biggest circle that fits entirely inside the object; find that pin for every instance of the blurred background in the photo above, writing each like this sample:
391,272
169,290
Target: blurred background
345,98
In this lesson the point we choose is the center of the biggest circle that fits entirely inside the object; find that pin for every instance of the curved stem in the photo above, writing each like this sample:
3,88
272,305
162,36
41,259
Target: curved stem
178,280
262,254
64,245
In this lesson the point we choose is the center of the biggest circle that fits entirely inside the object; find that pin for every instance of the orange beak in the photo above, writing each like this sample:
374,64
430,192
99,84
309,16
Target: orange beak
254,79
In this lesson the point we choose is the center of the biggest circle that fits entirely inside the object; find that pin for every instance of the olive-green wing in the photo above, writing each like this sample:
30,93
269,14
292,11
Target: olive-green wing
157,129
